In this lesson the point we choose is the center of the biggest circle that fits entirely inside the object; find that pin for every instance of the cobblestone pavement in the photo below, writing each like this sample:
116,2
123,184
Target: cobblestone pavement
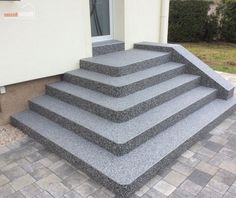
207,169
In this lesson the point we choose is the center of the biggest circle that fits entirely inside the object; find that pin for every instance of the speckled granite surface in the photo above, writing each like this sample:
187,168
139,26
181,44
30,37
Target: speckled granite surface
122,151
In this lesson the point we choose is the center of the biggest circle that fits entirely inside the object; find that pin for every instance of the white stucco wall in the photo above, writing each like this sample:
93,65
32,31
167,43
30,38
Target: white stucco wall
58,34
142,21
49,43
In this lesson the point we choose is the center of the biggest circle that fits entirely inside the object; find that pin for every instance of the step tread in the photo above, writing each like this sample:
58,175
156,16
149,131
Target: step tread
127,79
121,133
125,58
123,103
126,169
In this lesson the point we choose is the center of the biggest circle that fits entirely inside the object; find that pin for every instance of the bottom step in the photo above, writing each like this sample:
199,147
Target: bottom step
125,174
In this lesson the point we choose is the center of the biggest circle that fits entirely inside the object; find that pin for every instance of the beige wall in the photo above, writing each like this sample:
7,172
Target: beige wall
58,34
48,43
142,21
17,96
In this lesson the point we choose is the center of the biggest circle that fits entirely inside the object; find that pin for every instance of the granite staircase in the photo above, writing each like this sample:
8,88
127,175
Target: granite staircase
123,116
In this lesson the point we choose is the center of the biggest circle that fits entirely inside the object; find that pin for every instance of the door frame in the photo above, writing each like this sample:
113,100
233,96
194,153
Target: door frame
106,37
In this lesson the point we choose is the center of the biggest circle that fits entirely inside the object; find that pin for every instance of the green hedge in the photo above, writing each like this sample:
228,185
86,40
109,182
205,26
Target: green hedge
188,20
227,26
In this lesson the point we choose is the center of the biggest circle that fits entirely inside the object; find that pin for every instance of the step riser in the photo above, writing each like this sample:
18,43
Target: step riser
121,149
108,48
121,190
122,116
125,90
121,71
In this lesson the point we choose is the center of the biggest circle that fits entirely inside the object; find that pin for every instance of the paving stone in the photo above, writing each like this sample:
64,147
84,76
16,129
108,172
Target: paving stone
207,168
164,188
232,190
53,158
85,189
40,173
205,151
57,190
202,157
164,172
196,147
228,152
190,187
142,191
175,178
4,162
200,178
208,192
23,162
31,190
6,190
225,177
13,171
21,182
64,170
217,186
174,195
154,193
228,195
192,162
145,196
44,194
3,149
218,139
229,166
53,185
17,194
46,181
218,159
72,194
182,168
3,180
34,157
153,181
74,180
188,154
181,193
30,168
215,147
103,194
46,162
231,144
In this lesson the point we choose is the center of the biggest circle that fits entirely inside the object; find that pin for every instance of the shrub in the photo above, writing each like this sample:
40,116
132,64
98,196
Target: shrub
227,13
189,21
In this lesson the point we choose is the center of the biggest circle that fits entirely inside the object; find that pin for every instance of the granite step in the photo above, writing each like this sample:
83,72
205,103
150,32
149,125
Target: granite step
125,174
124,85
124,108
121,138
125,62
106,47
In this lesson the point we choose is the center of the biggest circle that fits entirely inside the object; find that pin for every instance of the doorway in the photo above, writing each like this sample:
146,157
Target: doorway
101,20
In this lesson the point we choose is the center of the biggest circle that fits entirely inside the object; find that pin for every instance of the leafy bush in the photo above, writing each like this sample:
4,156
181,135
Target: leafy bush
227,15
189,21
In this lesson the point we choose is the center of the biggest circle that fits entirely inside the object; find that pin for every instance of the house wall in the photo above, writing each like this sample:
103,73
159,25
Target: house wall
16,97
49,41
52,36
142,21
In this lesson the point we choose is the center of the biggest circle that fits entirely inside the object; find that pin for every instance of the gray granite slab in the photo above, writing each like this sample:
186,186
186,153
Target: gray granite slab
123,108
121,138
194,66
105,47
124,85
124,174
124,62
